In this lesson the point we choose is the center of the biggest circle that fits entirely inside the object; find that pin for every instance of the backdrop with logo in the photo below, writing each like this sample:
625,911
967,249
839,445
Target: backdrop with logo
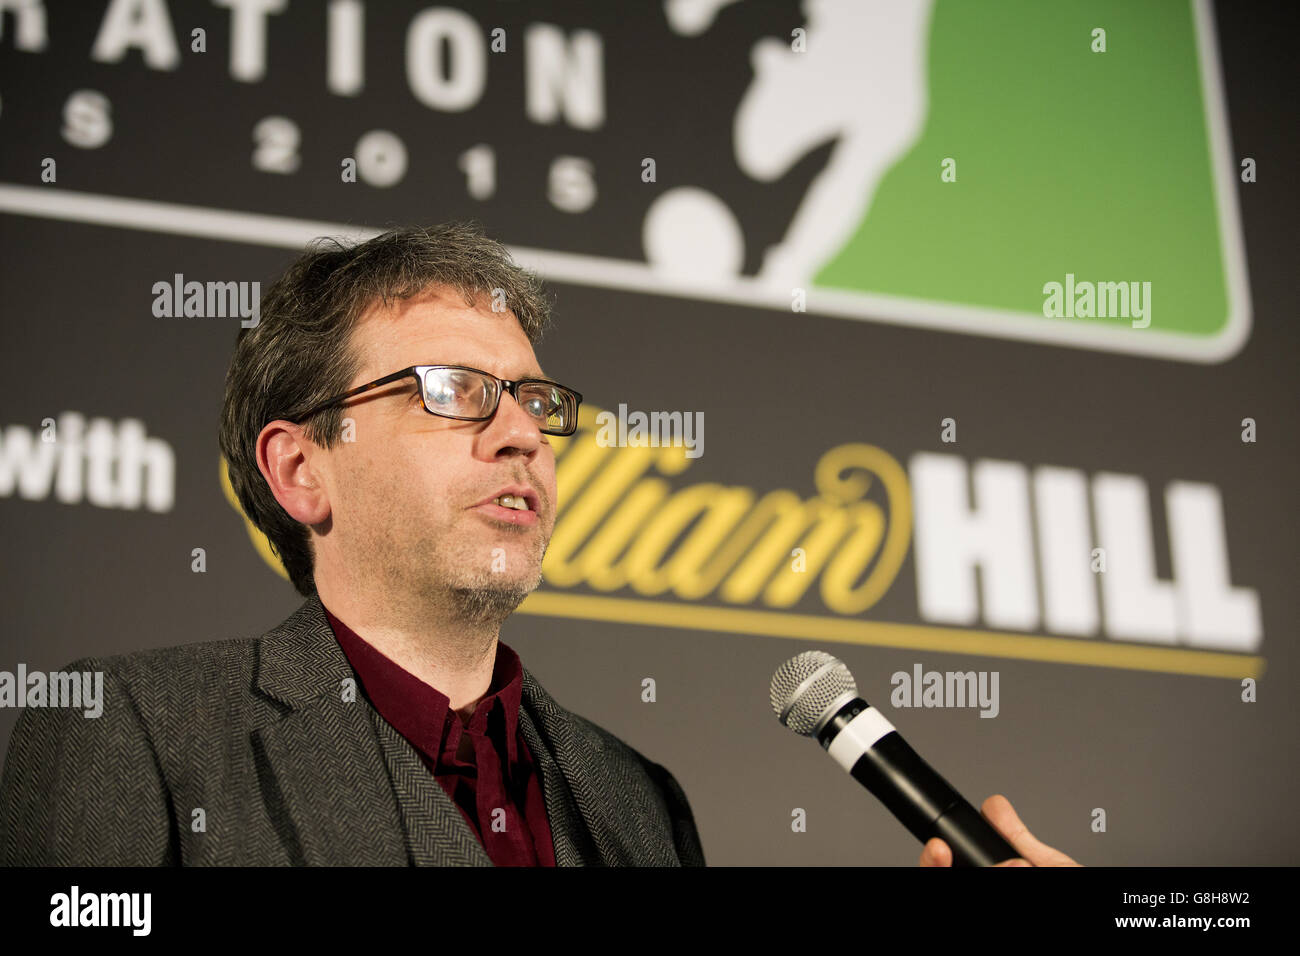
977,320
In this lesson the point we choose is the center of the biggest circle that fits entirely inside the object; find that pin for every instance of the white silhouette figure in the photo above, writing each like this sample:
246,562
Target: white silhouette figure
862,79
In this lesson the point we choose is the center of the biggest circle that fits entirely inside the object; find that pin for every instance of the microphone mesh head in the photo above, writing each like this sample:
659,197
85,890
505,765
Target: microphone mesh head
805,686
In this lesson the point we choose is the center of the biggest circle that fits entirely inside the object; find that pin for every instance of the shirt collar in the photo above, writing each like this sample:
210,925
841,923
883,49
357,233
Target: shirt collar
420,712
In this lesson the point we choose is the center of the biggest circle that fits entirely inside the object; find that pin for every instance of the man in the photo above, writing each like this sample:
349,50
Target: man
386,426
383,723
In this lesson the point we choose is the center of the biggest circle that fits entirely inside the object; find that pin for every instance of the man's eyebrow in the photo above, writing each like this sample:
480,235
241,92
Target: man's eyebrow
535,372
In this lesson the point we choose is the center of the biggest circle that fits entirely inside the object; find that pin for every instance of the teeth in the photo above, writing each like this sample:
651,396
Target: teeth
510,501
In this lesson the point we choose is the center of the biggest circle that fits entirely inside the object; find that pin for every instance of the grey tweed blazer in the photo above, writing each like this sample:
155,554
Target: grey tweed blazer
244,752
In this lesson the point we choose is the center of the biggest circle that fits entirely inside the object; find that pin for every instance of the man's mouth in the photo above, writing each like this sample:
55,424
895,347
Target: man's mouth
518,503
517,506
516,497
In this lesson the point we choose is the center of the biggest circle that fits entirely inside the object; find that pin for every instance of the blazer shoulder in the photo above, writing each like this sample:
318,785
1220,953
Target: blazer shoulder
189,663
151,663
193,676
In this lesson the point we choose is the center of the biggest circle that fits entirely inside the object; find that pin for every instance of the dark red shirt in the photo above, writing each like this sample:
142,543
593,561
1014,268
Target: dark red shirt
484,764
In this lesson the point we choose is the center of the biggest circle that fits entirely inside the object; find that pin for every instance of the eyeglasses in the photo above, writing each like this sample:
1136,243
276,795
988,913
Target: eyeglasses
472,395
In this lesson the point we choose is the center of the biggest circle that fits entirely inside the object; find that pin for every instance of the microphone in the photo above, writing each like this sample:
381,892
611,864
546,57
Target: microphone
815,696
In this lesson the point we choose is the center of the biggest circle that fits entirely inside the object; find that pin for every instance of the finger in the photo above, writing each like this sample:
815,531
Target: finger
998,810
936,853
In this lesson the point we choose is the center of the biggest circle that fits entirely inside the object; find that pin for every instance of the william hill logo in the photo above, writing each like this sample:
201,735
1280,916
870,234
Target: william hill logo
1005,560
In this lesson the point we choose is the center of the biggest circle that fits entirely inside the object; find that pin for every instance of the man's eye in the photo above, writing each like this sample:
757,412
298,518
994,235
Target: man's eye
451,390
542,407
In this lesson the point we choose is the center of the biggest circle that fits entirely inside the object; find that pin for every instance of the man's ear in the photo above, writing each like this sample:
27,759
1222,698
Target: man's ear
285,457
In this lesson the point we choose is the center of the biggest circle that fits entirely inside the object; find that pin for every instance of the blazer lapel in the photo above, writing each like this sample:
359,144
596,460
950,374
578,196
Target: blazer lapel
569,837
320,763
597,799
436,832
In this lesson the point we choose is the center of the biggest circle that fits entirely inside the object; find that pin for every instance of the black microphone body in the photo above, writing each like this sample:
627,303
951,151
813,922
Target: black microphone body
862,741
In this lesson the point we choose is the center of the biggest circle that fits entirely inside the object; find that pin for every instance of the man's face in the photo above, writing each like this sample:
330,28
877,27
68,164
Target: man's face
405,497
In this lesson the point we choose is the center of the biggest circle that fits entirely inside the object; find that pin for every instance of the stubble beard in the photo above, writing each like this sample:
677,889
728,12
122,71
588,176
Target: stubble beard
480,597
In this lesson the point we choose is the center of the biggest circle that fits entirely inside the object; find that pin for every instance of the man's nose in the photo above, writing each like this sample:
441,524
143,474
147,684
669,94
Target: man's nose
513,427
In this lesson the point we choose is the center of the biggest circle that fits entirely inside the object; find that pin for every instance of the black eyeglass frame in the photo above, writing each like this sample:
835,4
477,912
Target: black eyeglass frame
501,386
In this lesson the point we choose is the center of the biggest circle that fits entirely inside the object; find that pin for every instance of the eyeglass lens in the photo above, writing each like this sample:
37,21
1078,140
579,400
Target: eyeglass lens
466,394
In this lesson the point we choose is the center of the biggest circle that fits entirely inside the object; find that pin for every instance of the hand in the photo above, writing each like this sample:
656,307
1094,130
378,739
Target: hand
998,811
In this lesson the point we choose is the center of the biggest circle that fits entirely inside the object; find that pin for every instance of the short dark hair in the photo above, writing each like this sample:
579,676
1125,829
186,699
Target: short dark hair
299,353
